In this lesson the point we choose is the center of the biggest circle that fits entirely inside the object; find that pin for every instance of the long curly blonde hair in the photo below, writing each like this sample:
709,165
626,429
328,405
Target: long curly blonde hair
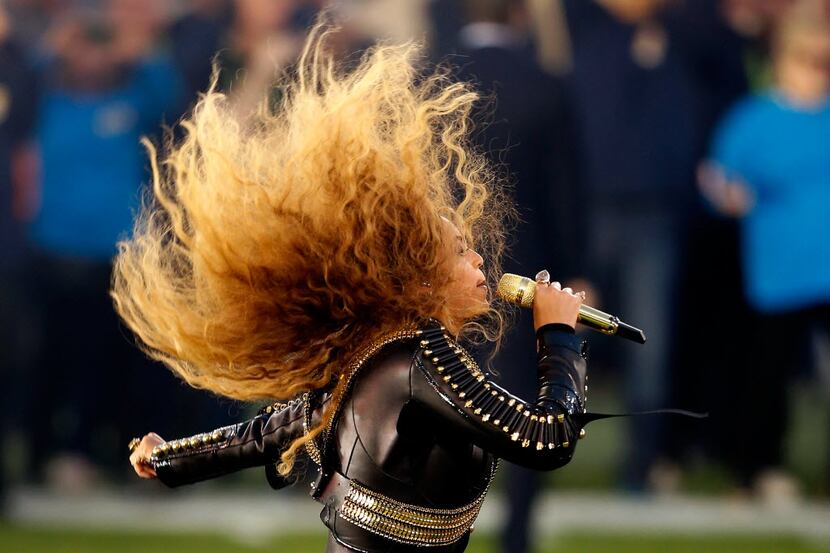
272,251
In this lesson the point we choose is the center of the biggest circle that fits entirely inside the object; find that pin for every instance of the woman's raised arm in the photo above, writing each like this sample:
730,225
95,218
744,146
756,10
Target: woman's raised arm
539,434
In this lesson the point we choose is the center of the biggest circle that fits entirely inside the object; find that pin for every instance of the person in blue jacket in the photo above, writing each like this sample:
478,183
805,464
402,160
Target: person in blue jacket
99,96
770,167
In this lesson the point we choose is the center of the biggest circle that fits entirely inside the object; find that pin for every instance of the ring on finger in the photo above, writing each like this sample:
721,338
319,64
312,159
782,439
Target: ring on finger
543,277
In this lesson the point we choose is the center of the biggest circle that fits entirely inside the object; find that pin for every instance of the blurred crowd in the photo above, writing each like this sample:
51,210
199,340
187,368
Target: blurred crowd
672,157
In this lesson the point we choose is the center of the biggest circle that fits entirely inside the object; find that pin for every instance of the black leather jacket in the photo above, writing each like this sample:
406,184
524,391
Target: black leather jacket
420,424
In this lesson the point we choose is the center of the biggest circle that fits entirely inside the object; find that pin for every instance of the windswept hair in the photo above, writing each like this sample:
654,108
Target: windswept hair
273,250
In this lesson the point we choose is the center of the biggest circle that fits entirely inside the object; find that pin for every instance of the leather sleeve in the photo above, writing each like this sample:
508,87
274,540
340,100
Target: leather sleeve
256,442
541,434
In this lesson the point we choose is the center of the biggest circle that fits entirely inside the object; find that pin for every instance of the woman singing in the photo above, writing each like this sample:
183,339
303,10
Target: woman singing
327,254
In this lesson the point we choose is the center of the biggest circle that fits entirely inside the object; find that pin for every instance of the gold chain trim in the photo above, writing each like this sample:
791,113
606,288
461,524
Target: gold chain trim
310,445
407,523
193,444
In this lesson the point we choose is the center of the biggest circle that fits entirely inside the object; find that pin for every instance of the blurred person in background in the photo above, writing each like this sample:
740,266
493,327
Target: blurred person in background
770,168
528,131
258,44
104,85
194,38
33,19
716,53
18,98
641,115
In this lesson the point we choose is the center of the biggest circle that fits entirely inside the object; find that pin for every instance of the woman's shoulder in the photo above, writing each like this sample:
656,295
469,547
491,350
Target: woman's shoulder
393,358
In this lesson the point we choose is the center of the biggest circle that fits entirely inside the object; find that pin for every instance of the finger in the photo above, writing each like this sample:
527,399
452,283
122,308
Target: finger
568,290
145,472
581,295
148,468
556,285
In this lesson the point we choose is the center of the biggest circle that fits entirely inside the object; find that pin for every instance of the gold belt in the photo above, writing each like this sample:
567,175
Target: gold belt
407,523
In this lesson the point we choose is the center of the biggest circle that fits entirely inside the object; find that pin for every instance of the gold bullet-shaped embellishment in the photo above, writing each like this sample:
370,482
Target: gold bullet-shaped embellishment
534,418
520,407
540,446
454,386
486,417
560,418
566,444
205,439
514,436
581,433
175,445
269,409
506,428
525,443
436,360
440,369
468,403
527,413
497,422
462,394
512,402
447,378
551,445
216,435
477,411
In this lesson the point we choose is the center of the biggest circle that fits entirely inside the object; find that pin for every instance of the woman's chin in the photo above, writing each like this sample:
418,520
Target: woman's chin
481,305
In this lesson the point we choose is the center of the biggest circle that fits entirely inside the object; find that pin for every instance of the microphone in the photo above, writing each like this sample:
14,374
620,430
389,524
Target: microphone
521,291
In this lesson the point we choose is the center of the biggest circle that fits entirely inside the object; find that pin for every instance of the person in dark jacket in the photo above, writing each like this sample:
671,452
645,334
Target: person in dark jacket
529,132
18,99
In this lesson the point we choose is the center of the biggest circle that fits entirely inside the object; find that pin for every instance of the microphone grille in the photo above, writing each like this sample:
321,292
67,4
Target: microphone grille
516,289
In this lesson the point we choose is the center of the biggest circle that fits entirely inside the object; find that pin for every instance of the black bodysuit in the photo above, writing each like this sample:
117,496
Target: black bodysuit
413,443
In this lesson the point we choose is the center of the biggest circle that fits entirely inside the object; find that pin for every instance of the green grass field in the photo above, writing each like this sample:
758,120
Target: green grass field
15,539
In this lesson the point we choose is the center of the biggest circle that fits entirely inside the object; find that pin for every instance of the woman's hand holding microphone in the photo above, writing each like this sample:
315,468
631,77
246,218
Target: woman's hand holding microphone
554,304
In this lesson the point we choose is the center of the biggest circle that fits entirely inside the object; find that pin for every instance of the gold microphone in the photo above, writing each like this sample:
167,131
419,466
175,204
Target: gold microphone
521,290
